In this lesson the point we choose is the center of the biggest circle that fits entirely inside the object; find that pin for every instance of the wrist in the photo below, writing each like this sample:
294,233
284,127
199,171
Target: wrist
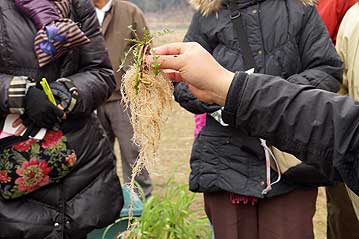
71,96
220,91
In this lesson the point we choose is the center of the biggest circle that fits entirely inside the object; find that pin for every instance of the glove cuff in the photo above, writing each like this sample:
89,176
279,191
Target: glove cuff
18,89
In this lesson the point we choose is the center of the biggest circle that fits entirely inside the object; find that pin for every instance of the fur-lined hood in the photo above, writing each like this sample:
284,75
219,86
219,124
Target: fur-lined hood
210,6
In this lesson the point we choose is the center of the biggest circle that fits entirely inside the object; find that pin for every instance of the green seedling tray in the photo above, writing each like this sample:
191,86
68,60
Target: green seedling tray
114,230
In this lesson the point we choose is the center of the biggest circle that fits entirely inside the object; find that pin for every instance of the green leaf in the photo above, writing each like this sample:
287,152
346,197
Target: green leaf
170,216
19,157
35,149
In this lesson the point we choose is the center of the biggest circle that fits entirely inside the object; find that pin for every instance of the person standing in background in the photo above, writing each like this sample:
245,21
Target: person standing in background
348,50
332,13
80,78
341,220
243,198
121,20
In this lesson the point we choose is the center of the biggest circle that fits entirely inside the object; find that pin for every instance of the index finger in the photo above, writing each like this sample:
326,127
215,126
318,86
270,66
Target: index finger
17,122
171,49
174,62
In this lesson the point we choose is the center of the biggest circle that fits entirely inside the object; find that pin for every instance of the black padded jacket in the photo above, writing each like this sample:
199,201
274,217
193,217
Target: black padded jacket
287,39
90,196
318,127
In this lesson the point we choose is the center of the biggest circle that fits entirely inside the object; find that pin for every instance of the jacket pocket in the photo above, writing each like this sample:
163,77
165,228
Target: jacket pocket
225,165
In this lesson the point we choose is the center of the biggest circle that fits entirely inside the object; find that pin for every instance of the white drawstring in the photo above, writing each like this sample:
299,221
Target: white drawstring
268,154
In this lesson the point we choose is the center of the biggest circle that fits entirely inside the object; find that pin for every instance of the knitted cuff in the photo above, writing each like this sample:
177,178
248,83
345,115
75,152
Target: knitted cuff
19,86
233,100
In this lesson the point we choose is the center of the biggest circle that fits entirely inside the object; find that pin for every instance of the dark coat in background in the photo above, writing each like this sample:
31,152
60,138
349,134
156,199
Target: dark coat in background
287,39
90,196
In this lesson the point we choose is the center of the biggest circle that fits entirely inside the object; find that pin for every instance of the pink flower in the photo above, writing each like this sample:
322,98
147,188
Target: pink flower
4,178
33,174
24,146
51,139
71,159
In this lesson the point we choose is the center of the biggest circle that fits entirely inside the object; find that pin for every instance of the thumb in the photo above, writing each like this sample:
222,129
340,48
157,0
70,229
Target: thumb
202,95
58,112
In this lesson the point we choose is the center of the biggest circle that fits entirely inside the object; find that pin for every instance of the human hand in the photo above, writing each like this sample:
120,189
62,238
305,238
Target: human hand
63,96
192,64
41,111
21,124
25,125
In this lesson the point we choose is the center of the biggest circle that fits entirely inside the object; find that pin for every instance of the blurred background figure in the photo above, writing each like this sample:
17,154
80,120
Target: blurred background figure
332,13
341,220
348,49
116,17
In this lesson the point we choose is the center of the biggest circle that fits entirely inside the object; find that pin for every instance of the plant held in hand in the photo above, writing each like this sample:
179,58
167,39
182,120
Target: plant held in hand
148,94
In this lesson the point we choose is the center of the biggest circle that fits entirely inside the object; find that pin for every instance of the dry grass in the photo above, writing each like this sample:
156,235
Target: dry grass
177,135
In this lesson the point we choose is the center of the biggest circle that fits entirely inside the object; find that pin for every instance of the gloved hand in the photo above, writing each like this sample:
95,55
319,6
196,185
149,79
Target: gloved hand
31,128
57,34
65,93
24,124
61,93
40,110
41,12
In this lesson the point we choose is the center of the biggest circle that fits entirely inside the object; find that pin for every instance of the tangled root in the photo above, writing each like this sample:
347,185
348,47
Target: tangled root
148,100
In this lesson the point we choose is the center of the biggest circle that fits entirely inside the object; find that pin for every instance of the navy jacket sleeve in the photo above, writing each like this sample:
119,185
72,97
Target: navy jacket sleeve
318,127
322,67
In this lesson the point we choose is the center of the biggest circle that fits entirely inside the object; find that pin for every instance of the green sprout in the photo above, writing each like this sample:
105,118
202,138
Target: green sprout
139,49
156,64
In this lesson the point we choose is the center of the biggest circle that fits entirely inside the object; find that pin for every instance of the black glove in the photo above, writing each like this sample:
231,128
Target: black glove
40,110
61,93
31,128
65,93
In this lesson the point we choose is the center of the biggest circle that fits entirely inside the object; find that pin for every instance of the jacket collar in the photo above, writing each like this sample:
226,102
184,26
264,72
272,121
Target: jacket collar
108,18
212,6
241,4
